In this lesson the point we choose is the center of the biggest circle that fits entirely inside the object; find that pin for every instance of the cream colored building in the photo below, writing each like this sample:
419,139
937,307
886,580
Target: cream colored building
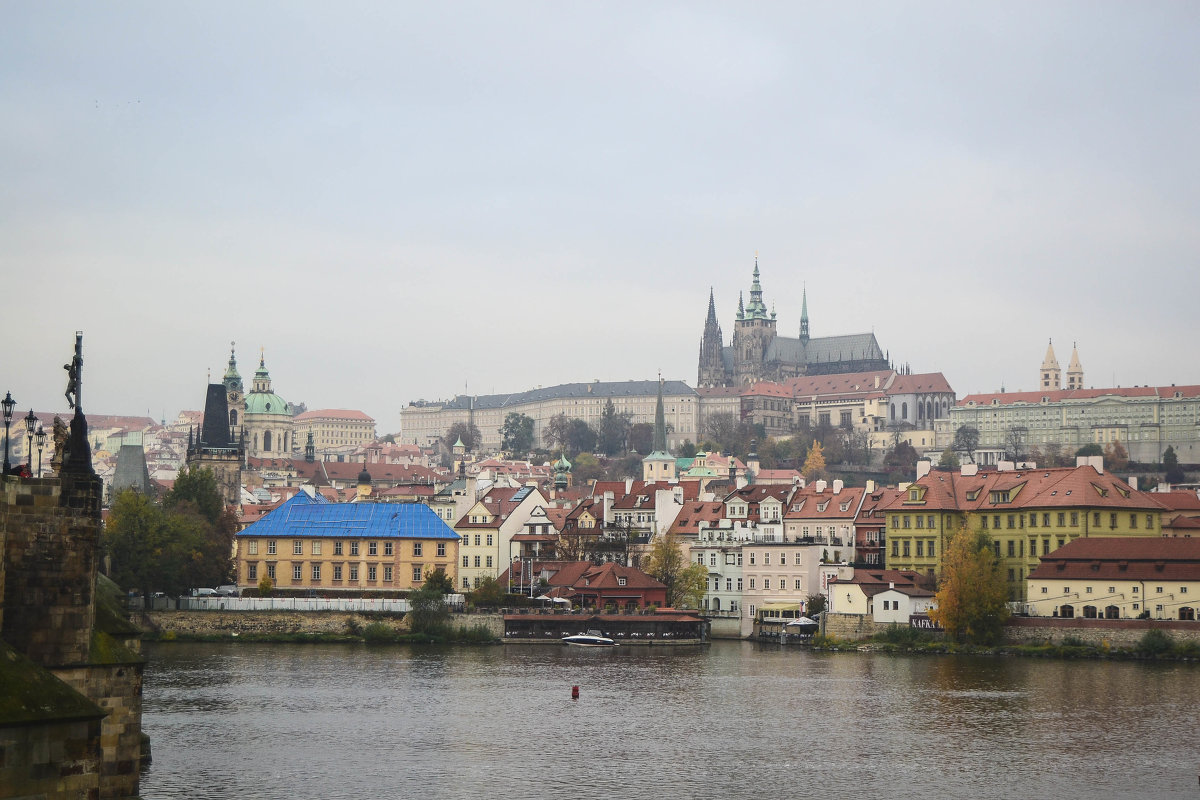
334,430
1118,578
425,423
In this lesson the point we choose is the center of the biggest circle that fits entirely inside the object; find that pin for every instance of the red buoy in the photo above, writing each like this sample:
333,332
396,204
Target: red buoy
574,692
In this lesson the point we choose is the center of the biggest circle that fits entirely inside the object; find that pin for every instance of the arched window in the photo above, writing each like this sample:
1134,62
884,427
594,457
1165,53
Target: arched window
1067,611
267,441
233,418
1187,613
893,412
929,410
1089,612
1112,612
255,441
904,410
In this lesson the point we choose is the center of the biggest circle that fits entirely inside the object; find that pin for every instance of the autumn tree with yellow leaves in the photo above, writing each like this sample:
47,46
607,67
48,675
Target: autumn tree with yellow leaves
972,595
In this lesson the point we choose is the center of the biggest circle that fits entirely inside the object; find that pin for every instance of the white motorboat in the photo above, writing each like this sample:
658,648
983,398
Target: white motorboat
589,639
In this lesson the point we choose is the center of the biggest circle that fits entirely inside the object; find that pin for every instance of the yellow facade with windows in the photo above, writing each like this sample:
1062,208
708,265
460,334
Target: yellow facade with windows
1026,513
343,563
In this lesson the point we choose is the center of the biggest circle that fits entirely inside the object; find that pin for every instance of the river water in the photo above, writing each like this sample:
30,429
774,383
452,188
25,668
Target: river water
732,720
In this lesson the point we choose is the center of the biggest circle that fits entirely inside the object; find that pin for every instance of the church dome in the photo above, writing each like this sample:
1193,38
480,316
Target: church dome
364,477
266,403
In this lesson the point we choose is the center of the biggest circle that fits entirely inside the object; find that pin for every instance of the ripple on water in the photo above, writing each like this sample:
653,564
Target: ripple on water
731,720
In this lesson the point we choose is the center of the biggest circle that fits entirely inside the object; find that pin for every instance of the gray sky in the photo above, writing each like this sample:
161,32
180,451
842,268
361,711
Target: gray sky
400,200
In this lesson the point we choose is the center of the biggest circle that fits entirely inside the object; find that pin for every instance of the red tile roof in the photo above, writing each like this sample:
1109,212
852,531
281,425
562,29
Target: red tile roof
1123,558
1062,487
333,413
693,513
1057,396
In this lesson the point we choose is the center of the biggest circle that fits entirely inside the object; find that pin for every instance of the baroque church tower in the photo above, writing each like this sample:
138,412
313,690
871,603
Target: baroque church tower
235,394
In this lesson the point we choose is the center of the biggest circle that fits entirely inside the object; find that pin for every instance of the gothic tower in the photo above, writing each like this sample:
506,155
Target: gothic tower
1051,375
753,332
712,366
1074,370
217,448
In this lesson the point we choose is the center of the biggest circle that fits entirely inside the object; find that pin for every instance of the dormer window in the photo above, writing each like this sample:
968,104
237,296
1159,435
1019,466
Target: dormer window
620,581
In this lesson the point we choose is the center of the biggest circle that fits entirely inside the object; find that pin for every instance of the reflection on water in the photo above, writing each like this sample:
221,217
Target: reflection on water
732,720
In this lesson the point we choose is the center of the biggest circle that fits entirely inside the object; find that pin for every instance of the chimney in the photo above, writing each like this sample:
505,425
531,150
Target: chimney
891,584
837,486
923,467
628,485
1133,482
608,503
820,486
870,487
1005,466
969,470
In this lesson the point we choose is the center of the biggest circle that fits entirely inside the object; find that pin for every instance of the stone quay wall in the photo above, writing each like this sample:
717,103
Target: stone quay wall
1113,632
216,623
1038,630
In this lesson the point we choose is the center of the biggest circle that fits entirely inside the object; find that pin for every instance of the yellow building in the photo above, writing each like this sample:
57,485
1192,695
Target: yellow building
1118,578
309,543
1027,513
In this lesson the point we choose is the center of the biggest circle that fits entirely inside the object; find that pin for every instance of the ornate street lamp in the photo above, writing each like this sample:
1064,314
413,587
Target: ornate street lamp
8,403
41,445
31,422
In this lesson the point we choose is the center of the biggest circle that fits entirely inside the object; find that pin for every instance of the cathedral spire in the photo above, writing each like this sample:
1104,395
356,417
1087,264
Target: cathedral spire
712,309
756,309
804,316
741,310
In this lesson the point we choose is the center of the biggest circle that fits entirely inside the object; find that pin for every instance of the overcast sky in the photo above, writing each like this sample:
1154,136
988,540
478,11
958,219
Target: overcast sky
403,201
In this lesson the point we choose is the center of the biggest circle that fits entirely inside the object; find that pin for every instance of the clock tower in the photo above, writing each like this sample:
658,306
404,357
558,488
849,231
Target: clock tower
235,395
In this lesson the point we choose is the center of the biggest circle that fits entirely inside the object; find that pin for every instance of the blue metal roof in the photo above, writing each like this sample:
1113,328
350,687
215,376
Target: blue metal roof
313,517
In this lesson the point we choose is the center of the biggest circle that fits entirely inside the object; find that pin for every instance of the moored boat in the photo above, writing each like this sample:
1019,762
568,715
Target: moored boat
589,639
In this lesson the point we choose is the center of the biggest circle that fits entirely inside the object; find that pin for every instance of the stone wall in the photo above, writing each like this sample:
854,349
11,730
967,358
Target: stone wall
58,759
850,626
117,688
1113,632
725,628
50,555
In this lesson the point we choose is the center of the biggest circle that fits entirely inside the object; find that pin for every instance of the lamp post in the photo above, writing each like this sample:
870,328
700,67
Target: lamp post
31,422
8,403
40,436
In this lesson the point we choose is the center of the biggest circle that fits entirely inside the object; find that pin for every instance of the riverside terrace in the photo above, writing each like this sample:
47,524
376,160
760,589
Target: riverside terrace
663,627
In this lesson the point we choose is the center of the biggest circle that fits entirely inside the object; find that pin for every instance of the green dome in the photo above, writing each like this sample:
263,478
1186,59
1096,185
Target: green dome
266,403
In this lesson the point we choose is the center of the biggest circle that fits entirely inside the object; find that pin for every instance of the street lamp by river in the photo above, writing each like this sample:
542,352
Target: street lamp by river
31,422
8,403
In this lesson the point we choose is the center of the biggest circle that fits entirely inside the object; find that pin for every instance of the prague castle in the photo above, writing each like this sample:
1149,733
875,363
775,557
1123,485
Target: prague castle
758,353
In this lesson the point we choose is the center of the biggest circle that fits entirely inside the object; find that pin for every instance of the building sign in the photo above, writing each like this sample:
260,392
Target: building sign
922,621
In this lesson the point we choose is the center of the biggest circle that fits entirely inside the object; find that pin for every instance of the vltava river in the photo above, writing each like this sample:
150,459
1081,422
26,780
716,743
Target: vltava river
734,720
